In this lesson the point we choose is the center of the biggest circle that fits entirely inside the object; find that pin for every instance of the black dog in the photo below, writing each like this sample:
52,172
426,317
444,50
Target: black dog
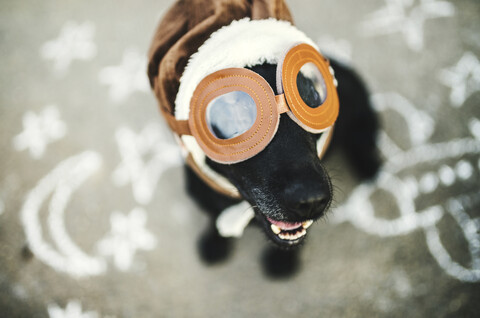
287,182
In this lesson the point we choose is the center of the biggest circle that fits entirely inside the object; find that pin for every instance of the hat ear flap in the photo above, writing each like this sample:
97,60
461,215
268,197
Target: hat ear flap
264,9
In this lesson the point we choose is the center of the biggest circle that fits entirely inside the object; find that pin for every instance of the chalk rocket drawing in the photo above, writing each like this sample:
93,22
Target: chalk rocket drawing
406,188
75,42
40,130
144,174
127,77
406,17
60,183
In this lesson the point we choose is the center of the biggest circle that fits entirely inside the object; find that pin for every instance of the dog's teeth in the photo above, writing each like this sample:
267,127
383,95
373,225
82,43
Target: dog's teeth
292,237
275,229
307,224
301,233
284,236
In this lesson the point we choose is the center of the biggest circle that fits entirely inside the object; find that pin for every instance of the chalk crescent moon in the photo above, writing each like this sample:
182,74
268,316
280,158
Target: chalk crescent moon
61,183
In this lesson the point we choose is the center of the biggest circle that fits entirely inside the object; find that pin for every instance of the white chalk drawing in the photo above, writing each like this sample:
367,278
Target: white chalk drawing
75,42
60,183
72,310
406,17
127,235
340,49
359,209
470,228
40,130
145,157
420,124
128,77
463,78
474,126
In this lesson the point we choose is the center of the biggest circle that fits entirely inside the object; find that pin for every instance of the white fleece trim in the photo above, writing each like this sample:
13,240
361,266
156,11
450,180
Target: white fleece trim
242,43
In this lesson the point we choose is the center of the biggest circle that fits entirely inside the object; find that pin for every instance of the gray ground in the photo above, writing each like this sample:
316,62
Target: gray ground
91,225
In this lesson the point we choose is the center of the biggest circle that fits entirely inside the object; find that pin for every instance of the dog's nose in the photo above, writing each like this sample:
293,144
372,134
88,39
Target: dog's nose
307,200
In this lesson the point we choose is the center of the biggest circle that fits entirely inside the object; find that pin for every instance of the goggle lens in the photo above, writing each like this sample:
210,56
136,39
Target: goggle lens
311,85
231,114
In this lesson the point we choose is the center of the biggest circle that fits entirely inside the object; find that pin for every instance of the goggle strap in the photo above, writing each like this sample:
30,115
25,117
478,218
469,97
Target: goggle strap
180,127
230,192
282,105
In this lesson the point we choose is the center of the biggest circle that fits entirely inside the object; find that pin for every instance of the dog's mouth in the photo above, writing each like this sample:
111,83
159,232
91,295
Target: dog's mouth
286,233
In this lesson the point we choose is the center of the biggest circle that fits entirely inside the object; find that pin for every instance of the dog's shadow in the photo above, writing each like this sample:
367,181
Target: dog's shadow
280,263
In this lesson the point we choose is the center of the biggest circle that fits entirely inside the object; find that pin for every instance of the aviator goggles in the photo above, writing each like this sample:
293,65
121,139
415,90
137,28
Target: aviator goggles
234,113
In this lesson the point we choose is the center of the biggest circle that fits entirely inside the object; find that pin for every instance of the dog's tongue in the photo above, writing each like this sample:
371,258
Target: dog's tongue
285,225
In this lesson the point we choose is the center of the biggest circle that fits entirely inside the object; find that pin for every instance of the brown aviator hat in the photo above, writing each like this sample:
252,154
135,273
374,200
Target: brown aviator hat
186,26
198,38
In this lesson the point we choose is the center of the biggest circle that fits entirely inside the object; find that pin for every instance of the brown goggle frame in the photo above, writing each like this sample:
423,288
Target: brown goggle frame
269,106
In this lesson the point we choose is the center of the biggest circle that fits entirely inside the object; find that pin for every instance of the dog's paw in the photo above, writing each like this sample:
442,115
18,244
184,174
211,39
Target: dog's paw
279,263
214,248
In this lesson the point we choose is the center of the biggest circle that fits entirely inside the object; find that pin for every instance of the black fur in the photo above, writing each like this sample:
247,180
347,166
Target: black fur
287,181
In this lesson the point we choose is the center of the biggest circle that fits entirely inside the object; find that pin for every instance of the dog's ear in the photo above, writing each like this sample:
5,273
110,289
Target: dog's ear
357,126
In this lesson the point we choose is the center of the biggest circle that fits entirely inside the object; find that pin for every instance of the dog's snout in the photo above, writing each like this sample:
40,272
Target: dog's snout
311,205
307,200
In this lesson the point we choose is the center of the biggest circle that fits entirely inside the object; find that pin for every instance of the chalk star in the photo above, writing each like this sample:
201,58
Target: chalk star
72,310
407,18
74,42
126,78
463,78
40,130
134,169
128,234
